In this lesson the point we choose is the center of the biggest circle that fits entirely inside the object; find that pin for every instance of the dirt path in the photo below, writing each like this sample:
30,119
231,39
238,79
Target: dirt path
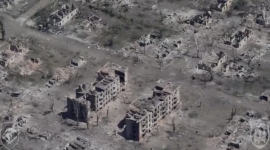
41,4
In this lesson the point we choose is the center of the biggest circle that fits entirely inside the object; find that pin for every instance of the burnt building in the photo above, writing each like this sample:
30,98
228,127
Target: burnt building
78,108
239,38
203,19
63,15
104,91
111,80
111,69
223,5
144,113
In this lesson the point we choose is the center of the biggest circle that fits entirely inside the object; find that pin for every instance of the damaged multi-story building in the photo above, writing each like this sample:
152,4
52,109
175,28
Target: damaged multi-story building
204,19
110,81
239,38
8,56
223,5
144,113
63,15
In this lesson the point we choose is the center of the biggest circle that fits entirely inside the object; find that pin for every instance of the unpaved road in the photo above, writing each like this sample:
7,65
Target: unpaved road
41,4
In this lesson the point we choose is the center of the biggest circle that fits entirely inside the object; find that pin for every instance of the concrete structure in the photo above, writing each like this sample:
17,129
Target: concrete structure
77,61
239,38
111,69
265,96
79,143
204,19
144,113
223,5
63,15
78,108
104,91
8,56
111,80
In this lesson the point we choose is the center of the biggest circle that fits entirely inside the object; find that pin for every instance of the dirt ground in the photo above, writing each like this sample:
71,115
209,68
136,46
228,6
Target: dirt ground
207,105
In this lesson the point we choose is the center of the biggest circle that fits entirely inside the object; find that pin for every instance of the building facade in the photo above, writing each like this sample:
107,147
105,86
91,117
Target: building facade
144,113
111,80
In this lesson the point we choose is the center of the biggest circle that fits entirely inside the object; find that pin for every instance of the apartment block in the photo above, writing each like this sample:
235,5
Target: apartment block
144,113
111,80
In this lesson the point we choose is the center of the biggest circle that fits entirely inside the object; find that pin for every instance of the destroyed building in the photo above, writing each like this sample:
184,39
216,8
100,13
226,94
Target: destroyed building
111,69
79,143
5,3
111,80
144,113
8,56
78,108
204,19
147,40
239,38
77,61
263,18
63,15
223,5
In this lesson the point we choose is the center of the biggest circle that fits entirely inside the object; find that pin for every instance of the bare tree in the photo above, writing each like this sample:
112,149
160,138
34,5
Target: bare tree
52,104
233,113
3,32
173,125
197,47
108,112
97,119
76,110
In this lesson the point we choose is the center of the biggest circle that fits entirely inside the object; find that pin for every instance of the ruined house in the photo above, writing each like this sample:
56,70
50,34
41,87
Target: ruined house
63,15
204,19
263,19
111,80
239,38
144,113
223,5
79,143
8,56
147,40
77,61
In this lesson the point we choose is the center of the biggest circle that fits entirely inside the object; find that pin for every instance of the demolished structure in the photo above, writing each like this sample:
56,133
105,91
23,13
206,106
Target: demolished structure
223,5
144,113
11,54
111,80
5,3
77,61
204,19
79,143
30,66
263,17
239,38
63,15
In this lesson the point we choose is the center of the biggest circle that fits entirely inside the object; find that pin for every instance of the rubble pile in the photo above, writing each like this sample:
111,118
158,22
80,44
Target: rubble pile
35,133
241,130
92,23
118,4
30,66
174,18
223,65
61,75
